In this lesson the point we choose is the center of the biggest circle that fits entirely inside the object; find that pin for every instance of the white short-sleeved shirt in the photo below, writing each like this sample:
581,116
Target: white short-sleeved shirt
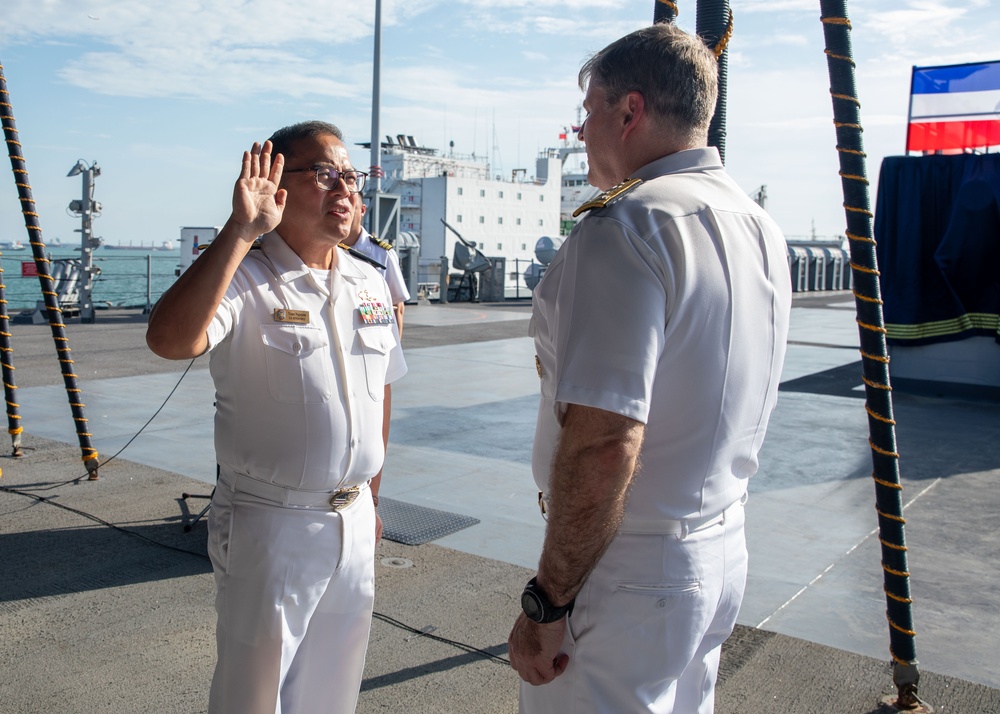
669,306
299,375
393,273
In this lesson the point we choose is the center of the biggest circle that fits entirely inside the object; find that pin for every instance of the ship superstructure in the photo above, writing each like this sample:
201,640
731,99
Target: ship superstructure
503,215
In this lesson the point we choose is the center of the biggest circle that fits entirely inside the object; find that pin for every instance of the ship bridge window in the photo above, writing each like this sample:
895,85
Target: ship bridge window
482,219
459,190
500,194
518,221
519,196
499,246
458,219
482,193
541,197
500,220
524,246
541,221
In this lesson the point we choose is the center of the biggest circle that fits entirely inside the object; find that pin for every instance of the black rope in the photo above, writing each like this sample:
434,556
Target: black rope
714,25
875,359
73,392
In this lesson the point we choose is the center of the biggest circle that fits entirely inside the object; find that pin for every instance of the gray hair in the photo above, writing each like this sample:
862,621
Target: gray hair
284,139
676,73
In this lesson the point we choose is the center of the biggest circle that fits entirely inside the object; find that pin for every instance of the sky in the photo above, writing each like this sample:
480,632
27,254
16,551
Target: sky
165,96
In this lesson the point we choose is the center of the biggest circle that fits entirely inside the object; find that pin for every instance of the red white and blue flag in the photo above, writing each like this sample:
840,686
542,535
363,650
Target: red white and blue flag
954,107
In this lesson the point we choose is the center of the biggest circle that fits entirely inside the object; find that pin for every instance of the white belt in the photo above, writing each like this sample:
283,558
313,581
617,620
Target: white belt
682,527
284,496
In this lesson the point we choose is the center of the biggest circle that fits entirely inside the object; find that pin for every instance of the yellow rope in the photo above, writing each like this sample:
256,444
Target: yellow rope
855,209
875,385
723,42
900,661
898,519
879,417
846,97
862,239
863,269
852,151
876,358
836,21
900,573
897,598
840,57
854,177
896,627
871,328
671,5
887,544
877,450
880,482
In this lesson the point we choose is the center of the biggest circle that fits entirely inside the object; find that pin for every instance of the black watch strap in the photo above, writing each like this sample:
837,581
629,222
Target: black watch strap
539,608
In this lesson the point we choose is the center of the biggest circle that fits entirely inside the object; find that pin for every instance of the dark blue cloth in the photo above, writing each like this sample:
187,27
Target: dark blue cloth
937,228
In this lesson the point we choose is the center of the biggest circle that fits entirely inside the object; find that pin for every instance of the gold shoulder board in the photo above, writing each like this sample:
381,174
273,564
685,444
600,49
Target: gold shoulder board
608,196
383,244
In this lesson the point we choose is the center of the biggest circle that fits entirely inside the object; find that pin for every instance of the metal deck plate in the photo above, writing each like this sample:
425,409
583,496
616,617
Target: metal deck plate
414,525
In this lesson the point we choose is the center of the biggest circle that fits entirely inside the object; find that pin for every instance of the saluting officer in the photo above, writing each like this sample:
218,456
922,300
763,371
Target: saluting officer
660,331
303,348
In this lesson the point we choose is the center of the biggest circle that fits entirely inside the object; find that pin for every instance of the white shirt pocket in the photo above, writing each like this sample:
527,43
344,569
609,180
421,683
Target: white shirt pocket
299,369
376,343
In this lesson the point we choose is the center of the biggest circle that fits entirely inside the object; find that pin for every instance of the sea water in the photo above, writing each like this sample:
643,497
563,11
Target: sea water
122,278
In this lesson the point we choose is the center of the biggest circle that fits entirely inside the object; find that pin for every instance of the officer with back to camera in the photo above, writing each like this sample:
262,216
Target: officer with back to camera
660,330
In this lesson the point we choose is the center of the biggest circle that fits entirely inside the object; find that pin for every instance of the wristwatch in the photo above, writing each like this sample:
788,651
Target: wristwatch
537,607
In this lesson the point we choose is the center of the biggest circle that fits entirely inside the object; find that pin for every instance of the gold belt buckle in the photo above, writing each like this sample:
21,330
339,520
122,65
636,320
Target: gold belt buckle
344,498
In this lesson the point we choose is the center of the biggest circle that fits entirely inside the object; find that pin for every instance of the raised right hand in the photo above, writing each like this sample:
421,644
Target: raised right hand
257,201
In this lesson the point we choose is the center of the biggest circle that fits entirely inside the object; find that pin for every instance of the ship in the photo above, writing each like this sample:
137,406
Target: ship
166,245
450,203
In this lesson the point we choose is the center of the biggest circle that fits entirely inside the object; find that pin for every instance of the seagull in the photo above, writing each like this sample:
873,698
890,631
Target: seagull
93,18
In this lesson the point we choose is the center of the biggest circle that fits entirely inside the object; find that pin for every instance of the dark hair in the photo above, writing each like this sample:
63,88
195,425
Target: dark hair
676,73
284,139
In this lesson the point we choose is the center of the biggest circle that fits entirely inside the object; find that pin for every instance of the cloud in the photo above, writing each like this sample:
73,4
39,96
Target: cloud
188,48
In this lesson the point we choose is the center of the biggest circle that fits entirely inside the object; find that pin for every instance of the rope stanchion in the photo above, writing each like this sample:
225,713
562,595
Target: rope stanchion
875,360
89,453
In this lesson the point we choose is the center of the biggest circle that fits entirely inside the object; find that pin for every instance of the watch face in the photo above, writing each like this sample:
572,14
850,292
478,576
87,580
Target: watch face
532,606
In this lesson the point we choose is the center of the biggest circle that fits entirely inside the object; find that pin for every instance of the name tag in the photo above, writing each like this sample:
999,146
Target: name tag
299,317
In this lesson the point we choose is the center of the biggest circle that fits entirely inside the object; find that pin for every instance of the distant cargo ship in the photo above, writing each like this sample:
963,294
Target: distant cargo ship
165,245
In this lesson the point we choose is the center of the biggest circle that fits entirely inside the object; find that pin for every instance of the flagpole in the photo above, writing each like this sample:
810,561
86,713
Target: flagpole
909,112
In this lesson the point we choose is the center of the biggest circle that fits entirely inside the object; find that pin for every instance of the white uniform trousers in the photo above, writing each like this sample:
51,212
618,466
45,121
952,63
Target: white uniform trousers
295,590
648,626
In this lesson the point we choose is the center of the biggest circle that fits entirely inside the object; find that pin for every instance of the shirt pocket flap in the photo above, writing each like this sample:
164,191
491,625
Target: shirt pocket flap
297,340
377,339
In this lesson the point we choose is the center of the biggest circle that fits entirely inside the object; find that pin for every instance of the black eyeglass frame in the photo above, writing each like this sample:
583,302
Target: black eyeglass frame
336,175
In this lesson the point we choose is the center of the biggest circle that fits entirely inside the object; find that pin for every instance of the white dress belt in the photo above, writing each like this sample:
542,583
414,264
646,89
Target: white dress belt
284,496
678,527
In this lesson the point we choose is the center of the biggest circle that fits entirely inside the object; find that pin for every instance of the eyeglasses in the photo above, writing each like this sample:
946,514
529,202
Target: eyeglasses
327,178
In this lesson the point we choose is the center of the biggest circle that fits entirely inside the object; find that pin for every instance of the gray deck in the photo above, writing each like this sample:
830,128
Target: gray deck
460,442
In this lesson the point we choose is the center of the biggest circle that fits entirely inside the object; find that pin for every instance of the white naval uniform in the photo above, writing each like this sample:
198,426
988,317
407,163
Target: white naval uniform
299,397
669,306
393,274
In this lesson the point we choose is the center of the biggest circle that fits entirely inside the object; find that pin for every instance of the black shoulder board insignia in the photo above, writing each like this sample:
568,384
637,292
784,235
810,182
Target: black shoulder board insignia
361,256
608,196
383,244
